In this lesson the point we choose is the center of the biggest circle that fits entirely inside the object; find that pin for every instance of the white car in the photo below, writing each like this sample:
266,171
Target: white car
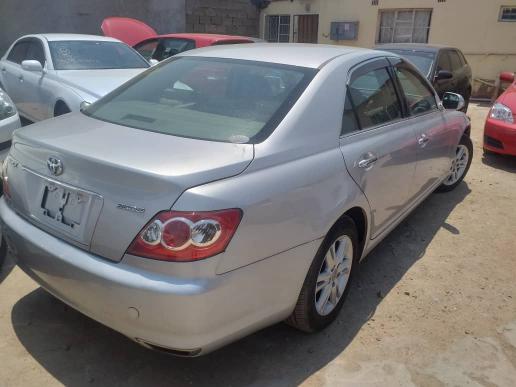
9,121
47,75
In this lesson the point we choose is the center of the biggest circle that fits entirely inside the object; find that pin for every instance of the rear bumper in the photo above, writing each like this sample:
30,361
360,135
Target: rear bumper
500,137
194,315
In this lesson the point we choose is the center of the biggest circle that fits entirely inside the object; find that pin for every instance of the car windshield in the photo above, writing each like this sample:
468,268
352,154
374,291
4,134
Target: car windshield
206,98
94,55
422,60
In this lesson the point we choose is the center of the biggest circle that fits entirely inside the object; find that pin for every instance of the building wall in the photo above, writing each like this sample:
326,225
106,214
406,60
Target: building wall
471,25
232,17
21,17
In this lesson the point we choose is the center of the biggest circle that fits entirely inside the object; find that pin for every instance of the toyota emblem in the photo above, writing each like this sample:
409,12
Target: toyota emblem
55,166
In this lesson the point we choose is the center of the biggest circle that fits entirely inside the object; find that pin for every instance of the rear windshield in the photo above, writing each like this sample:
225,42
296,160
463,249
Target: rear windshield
94,55
205,98
422,60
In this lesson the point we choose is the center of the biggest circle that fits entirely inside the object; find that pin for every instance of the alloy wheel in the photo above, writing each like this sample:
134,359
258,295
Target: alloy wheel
333,275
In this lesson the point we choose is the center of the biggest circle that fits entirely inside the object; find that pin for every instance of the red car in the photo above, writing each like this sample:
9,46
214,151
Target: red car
500,128
159,47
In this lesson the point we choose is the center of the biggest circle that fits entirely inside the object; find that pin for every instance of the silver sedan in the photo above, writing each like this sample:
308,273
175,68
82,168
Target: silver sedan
228,189
48,75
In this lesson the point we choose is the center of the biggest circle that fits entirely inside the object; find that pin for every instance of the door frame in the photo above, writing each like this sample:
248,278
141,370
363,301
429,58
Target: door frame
295,25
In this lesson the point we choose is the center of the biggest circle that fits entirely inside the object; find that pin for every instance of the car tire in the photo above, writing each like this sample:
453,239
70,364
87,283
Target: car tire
60,109
460,166
312,313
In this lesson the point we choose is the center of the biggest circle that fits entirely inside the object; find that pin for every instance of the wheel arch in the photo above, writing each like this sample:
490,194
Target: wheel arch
359,217
60,103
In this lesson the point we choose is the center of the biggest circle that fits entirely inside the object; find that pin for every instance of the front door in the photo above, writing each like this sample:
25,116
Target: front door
307,29
435,143
379,148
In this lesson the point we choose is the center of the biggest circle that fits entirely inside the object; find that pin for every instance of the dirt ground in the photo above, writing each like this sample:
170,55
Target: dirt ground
434,305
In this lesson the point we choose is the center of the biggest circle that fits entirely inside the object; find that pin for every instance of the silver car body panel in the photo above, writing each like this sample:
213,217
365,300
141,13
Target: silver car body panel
8,126
292,188
36,94
117,170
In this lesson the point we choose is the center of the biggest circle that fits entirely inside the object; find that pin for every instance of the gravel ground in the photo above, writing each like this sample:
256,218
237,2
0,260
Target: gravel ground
434,304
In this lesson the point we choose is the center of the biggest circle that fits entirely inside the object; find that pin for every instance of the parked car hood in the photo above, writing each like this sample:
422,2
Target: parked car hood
130,31
96,83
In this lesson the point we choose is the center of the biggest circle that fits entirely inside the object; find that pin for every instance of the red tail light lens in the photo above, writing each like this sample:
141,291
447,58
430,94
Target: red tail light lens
5,181
186,236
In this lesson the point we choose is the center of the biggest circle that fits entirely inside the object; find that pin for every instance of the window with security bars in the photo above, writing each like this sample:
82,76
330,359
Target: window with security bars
277,28
404,26
508,14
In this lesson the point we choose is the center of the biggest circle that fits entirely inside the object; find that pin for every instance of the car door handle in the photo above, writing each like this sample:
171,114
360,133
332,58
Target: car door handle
368,161
423,140
20,77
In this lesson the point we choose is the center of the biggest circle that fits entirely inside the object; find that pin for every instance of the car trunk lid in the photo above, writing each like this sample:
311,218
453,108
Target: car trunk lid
129,31
113,180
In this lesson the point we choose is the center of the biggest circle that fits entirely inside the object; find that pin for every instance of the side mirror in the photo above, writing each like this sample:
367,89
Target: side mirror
443,74
507,76
153,62
453,101
32,65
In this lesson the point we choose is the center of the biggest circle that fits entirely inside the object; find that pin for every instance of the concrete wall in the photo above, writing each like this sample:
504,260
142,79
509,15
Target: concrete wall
471,25
21,17
233,17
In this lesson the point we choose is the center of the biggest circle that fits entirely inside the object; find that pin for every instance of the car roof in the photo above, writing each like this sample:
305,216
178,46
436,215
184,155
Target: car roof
293,54
413,47
207,37
57,37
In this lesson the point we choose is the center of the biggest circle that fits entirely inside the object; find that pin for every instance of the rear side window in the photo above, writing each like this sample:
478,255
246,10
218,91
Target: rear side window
207,98
18,52
147,48
349,119
35,52
444,62
456,62
171,46
463,58
374,98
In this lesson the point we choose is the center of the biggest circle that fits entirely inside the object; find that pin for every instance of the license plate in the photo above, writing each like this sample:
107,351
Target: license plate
63,206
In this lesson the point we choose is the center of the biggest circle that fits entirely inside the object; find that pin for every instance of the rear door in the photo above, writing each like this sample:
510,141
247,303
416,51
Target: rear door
378,145
435,142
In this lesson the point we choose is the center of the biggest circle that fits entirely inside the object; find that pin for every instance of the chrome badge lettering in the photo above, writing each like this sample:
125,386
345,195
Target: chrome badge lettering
126,207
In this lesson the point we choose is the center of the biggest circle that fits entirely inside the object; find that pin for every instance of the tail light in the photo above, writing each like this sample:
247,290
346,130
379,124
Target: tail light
186,236
5,180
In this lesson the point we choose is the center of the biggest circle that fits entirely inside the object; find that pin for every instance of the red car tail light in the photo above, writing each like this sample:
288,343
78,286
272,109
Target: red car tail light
186,236
5,181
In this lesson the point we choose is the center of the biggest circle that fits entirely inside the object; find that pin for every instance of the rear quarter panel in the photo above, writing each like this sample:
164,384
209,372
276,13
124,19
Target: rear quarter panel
297,186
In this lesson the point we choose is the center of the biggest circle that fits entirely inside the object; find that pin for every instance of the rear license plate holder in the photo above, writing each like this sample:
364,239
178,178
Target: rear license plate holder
63,206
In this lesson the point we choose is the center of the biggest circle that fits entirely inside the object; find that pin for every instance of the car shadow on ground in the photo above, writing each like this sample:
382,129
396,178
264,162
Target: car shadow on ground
78,351
6,265
503,162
